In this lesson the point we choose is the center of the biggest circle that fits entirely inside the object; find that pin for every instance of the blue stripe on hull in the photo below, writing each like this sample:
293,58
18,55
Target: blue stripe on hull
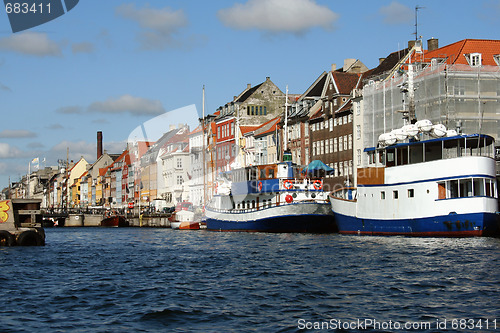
457,225
290,223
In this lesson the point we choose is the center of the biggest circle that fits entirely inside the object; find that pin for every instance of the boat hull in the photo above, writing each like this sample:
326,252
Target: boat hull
114,221
453,225
300,217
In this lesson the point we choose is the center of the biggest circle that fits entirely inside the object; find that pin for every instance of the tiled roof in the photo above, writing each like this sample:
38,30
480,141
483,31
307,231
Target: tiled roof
455,53
267,127
345,82
245,129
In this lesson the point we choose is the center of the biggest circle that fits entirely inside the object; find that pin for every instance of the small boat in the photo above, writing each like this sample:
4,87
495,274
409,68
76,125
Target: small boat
184,220
183,217
279,197
114,220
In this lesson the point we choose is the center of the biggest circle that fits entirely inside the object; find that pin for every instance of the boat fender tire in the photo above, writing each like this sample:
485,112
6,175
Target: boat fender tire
6,238
289,198
30,238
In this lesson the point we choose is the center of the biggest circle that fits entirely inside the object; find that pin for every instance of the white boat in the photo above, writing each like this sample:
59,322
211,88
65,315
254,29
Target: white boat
435,187
279,197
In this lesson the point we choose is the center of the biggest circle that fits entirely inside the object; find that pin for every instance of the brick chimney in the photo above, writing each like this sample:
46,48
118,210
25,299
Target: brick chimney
99,144
432,44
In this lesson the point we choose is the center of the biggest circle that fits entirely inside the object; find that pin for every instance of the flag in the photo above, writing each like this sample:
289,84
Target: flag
35,163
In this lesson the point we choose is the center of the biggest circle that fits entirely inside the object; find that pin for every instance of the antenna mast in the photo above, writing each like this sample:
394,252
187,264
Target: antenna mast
417,7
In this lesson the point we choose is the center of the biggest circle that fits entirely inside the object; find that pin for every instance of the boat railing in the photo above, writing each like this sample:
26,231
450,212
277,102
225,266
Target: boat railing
304,184
264,207
345,193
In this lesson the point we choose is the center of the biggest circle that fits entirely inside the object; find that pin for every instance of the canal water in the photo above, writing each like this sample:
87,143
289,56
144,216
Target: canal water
163,280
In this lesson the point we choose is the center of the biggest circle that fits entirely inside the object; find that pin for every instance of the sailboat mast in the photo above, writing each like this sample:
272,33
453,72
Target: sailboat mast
285,130
203,150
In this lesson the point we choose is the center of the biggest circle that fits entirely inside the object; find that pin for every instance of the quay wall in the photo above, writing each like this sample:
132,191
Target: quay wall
94,220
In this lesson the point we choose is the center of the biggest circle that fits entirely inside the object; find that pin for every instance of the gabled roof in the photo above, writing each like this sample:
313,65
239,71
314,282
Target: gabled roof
387,64
247,93
455,53
267,127
246,129
345,82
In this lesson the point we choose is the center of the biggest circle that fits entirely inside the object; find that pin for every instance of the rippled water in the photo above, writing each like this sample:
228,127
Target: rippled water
163,280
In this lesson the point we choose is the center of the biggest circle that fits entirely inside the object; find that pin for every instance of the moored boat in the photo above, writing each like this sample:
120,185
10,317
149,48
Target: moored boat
280,197
114,220
184,220
443,186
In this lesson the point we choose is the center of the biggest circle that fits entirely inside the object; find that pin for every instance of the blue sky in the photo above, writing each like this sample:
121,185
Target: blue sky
112,65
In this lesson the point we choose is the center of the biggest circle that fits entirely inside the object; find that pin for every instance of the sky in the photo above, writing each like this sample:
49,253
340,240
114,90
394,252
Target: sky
113,66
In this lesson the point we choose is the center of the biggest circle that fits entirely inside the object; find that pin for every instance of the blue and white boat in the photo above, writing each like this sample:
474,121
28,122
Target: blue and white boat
437,183
277,197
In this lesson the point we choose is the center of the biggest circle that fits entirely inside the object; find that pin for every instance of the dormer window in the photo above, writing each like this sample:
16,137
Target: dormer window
474,59
497,59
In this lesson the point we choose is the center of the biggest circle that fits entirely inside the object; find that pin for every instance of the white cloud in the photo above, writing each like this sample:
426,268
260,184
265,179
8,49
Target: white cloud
157,25
31,43
397,13
17,134
275,16
130,104
7,151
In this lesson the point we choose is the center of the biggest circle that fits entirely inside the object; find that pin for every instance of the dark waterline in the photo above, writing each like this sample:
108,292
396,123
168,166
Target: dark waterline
163,280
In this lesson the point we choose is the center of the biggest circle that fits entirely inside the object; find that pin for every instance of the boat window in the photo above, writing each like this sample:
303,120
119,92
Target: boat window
490,190
253,203
390,157
416,154
382,195
453,189
402,156
262,173
411,193
395,194
478,187
433,151
381,157
465,188
441,190
271,173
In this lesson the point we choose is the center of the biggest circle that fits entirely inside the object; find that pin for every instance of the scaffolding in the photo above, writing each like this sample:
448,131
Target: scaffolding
453,95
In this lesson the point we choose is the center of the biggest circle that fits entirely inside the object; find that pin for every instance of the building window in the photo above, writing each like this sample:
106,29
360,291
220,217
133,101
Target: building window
350,142
475,59
331,124
334,145
345,142
179,163
335,167
358,132
218,132
341,168
331,145
497,59
358,154
180,180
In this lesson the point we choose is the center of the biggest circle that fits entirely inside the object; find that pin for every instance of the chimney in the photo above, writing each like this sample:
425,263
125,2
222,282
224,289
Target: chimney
334,67
249,85
411,43
268,78
432,44
99,144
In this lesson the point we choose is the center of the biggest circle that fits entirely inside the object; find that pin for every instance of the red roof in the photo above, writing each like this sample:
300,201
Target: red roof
345,82
455,53
245,129
267,127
